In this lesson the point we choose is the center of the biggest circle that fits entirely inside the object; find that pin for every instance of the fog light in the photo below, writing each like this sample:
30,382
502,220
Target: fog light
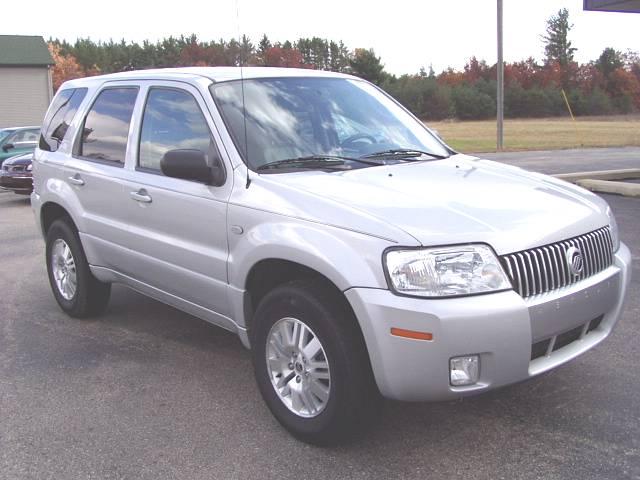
464,370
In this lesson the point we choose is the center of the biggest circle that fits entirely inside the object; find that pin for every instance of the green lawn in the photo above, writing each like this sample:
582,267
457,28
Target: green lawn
541,134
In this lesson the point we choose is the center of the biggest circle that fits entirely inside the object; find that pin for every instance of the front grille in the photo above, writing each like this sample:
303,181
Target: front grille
546,268
14,168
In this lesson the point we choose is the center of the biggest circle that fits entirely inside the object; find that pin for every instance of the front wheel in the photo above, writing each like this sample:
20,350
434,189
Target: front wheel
74,287
311,363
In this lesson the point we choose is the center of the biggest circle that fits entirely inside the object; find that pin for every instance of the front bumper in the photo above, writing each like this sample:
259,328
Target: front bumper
501,328
22,184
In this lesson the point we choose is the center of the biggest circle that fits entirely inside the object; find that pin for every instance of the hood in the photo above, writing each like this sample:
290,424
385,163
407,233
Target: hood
457,200
24,159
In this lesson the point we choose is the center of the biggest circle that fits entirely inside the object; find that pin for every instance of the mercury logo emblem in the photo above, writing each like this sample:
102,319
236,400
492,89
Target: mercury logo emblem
575,260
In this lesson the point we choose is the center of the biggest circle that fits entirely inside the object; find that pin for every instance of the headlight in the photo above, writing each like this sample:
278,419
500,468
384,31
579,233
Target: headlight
445,271
615,236
29,167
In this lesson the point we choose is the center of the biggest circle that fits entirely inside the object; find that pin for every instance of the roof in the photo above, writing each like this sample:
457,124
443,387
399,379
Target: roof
13,129
628,6
24,51
215,74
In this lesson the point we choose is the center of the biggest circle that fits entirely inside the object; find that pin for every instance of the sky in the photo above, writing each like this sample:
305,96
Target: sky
407,35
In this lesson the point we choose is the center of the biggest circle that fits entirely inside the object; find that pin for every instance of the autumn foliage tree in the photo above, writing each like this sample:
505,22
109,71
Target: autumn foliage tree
65,67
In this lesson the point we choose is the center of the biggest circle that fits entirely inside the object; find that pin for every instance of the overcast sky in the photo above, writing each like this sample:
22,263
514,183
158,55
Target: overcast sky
406,34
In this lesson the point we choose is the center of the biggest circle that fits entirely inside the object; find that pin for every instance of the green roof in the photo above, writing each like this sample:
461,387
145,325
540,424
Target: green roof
23,51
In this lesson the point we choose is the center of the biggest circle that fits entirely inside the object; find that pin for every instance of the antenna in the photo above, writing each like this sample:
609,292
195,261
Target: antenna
244,109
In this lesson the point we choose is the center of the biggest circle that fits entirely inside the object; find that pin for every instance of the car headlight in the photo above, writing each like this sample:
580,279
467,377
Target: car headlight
30,167
613,225
445,271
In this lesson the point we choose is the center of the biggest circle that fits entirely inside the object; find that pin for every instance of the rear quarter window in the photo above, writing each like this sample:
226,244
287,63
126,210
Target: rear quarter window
63,109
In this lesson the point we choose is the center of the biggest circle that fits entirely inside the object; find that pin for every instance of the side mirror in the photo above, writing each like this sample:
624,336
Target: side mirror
8,147
190,164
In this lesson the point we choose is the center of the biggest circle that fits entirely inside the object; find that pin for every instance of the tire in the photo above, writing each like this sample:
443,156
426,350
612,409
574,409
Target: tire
89,296
352,396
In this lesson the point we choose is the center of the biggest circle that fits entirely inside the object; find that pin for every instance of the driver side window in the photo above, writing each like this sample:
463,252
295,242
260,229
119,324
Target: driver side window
172,120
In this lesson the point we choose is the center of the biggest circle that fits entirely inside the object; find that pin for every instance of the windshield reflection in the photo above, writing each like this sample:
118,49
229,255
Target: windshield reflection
294,117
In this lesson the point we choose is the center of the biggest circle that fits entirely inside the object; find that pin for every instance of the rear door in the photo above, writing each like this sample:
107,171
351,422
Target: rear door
177,227
95,172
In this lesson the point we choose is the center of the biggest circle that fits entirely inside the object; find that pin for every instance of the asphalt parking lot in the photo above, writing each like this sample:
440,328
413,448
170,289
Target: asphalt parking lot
146,391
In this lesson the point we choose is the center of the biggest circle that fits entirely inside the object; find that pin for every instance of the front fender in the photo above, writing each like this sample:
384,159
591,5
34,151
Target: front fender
348,259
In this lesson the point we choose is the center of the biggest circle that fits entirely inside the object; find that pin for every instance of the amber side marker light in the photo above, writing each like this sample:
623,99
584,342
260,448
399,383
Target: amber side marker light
401,332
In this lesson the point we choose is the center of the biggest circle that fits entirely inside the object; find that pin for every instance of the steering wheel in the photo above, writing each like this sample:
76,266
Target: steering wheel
355,138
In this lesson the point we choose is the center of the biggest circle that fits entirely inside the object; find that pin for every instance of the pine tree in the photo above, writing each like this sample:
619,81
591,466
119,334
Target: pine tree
558,47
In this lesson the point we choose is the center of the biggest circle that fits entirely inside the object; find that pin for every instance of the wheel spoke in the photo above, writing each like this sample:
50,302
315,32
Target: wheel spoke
312,348
277,364
278,348
295,337
307,400
285,334
320,373
319,390
296,400
284,379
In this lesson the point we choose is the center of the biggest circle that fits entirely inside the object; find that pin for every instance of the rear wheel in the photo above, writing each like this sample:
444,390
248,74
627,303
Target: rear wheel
74,287
311,363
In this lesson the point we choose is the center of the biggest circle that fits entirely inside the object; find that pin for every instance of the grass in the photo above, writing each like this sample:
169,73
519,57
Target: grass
541,134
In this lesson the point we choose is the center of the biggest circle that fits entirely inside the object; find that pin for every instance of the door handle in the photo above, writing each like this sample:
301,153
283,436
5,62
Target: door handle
76,180
141,196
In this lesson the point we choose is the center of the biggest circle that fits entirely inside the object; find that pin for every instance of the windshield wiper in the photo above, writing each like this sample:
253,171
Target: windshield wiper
404,153
314,161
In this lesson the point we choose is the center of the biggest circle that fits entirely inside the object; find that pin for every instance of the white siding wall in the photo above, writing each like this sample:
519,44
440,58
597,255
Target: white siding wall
24,95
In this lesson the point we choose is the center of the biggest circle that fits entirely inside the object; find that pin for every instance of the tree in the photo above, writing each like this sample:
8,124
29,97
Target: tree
365,64
609,61
558,47
65,67
263,46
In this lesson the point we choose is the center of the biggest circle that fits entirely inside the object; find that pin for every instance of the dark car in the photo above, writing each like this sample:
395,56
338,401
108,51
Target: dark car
17,140
15,174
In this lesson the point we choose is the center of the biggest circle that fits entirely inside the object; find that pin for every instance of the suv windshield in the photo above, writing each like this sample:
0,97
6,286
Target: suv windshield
297,117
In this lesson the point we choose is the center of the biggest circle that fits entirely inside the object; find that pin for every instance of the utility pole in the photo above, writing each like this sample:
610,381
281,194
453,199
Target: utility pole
500,95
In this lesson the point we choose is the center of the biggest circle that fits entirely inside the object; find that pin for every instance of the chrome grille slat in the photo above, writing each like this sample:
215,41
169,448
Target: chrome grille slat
550,271
558,258
600,250
518,275
592,258
524,274
543,269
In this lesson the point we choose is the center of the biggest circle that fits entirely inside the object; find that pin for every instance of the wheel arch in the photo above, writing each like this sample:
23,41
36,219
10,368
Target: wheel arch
52,211
270,273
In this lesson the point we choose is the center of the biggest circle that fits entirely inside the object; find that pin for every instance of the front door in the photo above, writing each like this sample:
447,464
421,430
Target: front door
177,227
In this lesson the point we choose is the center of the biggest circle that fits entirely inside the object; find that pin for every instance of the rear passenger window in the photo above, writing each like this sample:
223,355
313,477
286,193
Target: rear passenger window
106,127
172,120
59,117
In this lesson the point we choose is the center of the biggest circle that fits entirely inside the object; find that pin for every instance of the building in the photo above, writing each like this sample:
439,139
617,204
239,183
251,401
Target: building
25,80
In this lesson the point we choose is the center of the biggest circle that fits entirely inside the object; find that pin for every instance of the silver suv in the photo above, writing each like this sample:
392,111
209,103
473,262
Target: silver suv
344,242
